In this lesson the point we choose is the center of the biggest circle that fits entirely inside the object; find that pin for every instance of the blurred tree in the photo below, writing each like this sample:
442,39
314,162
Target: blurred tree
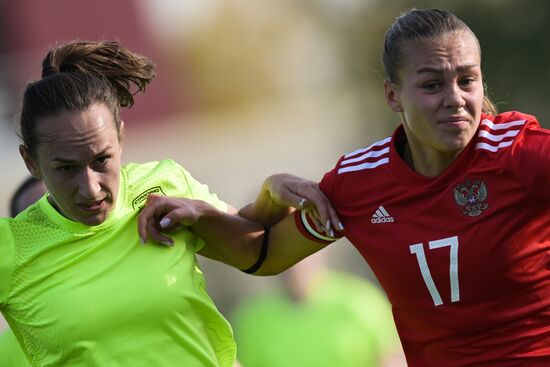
513,36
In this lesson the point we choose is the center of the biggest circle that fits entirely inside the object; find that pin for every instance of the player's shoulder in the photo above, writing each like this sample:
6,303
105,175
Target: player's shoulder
153,167
497,133
509,118
165,170
161,177
365,159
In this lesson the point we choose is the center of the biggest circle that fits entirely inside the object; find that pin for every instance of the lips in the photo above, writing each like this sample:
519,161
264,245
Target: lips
454,120
92,206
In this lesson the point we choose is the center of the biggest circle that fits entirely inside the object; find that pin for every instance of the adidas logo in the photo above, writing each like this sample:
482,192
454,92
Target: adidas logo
381,216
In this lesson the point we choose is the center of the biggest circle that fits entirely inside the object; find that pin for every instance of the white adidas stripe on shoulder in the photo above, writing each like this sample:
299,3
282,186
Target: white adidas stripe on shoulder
363,166
370,157
362,150
498,136
505,125
369,154
488,135
494,148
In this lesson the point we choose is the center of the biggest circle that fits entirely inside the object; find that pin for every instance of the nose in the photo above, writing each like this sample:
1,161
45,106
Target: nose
89,186
454,97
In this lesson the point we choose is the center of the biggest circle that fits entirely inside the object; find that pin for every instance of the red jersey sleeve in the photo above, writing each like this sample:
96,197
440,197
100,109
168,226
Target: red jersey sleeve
303,221
530,159
328,183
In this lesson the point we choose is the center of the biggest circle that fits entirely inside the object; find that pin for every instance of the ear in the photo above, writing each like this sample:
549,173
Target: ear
30,162
392,95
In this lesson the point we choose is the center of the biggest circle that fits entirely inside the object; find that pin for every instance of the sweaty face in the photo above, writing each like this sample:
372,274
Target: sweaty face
439,96
79,161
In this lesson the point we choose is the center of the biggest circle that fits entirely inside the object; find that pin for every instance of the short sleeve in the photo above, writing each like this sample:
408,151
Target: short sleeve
304,222
328,182
200,191
530,158
7,258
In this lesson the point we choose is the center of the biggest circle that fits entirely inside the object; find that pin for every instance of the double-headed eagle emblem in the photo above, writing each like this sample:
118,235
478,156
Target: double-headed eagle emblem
471,197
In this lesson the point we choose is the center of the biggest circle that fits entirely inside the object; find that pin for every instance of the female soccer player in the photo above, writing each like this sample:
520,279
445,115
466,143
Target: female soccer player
75,285
451,212
27,193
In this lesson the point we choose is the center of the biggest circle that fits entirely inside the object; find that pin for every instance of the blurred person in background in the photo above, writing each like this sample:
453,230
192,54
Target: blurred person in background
320,317
451,212
26,194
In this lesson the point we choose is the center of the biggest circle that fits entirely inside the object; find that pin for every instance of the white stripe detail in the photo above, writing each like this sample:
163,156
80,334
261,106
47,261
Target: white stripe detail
488,135
370,154
379,214
364,166
493,148
312,230
362,150
503,126
384,211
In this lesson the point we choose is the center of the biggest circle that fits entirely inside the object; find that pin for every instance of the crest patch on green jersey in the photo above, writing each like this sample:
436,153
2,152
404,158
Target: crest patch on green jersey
139,201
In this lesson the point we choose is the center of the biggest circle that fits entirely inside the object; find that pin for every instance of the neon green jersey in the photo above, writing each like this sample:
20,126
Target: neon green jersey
344,321
11,354
77,295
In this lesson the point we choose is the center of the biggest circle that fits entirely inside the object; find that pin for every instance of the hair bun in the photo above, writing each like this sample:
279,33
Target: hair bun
49,71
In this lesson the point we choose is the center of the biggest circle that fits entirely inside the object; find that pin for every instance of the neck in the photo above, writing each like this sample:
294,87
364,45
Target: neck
427,163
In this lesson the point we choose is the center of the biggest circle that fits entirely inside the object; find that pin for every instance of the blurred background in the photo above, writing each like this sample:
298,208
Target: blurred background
247,88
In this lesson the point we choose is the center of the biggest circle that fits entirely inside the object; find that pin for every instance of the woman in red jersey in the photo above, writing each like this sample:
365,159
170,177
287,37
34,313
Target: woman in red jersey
451,212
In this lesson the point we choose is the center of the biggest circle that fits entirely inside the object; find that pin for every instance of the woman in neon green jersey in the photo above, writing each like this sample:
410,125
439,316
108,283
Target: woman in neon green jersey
75,285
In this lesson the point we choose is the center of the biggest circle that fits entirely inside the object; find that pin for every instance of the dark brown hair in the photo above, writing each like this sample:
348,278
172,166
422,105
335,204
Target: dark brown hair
417,24
76,75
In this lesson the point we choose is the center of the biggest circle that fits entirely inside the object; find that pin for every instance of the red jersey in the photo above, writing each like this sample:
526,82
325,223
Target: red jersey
464,257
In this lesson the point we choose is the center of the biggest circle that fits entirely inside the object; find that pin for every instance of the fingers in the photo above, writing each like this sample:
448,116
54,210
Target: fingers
297,192
322,212
284,190
149,226
314,216
156,235
163,214
291,199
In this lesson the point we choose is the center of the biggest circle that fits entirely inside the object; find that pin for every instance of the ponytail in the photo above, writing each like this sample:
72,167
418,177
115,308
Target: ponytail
76,75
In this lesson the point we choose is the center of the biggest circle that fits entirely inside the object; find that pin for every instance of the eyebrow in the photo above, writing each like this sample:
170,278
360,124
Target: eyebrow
460,68
72,161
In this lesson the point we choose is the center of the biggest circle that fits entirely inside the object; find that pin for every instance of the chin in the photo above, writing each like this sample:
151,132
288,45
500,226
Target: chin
457,144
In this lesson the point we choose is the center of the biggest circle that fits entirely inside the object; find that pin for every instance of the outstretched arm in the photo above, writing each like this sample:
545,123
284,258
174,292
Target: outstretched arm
282,193
238,240
279,197
229,238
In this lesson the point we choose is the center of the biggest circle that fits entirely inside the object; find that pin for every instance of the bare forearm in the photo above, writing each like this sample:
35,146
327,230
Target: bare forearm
264,209
229,238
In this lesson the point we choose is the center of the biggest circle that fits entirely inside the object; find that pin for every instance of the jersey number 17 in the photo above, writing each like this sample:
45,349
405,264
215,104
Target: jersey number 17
418,250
